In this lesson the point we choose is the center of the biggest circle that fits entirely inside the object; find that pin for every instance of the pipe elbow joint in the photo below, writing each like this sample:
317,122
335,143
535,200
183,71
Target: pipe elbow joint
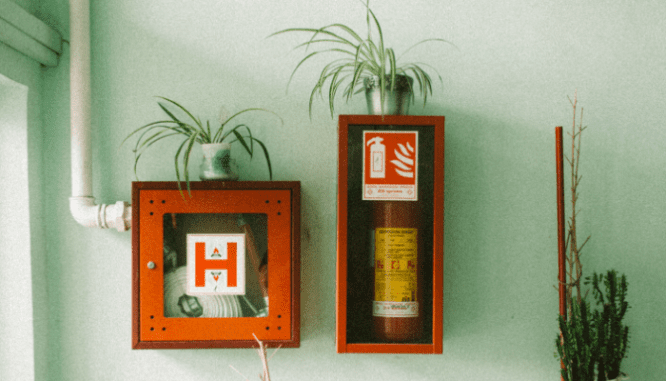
122,216
103,216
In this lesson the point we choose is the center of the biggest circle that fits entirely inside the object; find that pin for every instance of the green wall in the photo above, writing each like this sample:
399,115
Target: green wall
504,91
21,69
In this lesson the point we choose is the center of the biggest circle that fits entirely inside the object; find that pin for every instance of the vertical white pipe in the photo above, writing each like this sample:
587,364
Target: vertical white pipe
79,19
82,203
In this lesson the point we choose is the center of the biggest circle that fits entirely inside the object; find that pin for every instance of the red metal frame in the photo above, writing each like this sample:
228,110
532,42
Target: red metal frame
437,123
280,201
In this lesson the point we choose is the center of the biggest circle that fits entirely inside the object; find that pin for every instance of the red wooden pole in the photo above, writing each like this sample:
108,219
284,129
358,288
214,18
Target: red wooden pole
560,220
562,275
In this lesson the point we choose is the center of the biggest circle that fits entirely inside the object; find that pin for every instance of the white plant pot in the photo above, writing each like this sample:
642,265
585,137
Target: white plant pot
217,163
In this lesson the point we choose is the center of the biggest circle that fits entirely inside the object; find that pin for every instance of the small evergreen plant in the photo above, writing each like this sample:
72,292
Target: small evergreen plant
576,343
612,334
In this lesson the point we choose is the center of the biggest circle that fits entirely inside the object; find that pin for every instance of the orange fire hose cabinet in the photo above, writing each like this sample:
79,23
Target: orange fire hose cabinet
390,234
216,266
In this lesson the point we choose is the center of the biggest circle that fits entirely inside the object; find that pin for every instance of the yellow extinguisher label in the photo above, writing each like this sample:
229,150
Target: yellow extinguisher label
395,272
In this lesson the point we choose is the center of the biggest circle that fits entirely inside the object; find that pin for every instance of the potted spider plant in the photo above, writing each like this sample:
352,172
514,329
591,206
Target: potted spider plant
364,64
217,163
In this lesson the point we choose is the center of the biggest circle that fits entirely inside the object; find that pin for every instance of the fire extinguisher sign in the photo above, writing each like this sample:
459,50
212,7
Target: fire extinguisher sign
390,162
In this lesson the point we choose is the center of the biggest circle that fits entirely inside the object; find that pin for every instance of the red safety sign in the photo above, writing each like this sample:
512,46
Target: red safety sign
390,163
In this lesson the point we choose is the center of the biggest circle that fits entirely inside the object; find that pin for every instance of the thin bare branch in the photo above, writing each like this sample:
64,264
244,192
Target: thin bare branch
583,245
275,351
573,266
261,350
241,374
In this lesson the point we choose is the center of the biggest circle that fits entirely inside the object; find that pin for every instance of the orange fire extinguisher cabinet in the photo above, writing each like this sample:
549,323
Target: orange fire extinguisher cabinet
389,273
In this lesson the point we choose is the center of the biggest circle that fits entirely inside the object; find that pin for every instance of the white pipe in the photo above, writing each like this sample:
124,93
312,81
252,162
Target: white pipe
79,81
82,203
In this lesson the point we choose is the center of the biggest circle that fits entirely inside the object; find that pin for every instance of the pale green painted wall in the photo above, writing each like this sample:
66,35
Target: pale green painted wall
504,91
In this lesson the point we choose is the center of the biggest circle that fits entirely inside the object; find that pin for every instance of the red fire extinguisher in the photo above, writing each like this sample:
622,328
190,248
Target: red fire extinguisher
398,284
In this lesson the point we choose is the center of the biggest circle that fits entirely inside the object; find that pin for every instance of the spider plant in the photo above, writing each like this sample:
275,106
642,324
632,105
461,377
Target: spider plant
193,130
360,58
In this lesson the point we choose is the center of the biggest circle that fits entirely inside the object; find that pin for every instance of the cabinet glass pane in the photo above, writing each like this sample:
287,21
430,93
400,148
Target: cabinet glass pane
215,265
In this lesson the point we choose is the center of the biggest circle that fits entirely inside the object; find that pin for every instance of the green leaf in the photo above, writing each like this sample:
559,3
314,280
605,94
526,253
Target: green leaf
254,109
376,60
419,64
186,158
149,139
268,159
349,30
334,87
332,34
299,65
217,139
136,164
198,123
249,133
169,113
180,148
240,138
312,95
425,84
164,129
329,71
315,32
379,30
143,127
321,40
356,79
424,41
145,145
392,70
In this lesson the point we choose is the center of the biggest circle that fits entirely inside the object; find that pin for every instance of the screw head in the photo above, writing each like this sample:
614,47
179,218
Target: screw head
151,265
